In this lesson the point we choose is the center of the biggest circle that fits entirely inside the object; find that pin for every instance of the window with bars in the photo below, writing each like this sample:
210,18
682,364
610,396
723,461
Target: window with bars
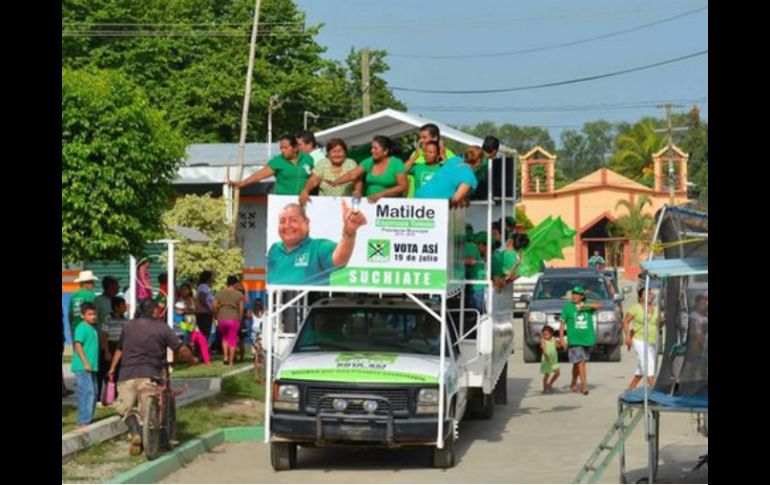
248,219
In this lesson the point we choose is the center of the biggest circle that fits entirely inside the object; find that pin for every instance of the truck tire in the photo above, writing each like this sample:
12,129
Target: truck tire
613,353
480,405
445,457
501,388
530,354
283,456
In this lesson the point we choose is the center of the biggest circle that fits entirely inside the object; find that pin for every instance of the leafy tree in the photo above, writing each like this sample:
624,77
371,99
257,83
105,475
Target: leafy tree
204,213
635,225
191,55
587,150
119,157
634,150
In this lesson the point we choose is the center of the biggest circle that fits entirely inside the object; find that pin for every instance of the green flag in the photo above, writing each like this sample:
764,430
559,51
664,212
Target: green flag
546,242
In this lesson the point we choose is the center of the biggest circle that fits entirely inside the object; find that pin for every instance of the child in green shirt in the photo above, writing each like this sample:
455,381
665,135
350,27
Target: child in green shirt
85,363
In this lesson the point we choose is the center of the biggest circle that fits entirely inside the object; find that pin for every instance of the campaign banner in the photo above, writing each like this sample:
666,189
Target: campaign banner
348,245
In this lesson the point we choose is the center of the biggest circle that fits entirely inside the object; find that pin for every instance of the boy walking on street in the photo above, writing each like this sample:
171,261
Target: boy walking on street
85,363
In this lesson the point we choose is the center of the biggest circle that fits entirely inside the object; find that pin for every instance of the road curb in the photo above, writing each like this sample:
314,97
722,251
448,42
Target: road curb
157,470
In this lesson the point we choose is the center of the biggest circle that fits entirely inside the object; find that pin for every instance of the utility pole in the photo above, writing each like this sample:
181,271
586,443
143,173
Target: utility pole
272,104
312,115
244,124
366,91
670,149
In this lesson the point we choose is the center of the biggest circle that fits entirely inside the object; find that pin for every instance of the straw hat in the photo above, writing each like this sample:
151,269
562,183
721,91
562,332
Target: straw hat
85,276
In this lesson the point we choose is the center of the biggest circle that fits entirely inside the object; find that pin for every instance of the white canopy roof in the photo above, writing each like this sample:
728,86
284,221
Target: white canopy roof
393,123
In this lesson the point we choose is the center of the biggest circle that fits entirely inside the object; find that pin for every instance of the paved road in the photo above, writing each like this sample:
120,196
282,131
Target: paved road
536,438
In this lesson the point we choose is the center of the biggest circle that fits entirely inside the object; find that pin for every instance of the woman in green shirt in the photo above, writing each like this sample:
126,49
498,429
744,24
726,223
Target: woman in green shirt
384,174
328,170
635,335
291,169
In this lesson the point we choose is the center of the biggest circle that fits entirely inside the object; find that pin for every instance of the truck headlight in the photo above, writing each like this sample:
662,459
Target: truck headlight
537,317
427,401
286,396
604,317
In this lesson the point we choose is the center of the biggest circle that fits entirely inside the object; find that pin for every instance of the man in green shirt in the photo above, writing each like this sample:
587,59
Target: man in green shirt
428,132
85,363
425,171
578,317
301,260
84,295
291,169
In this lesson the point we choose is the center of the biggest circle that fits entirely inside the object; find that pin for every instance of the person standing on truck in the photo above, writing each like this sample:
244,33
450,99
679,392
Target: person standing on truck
301,260
291,169
428,133
384,174
423,172
455,180
577,316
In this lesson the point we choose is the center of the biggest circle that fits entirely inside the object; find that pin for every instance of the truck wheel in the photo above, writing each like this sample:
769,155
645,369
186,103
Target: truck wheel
487,406
283,456
445,457
501,388
613,353
530,354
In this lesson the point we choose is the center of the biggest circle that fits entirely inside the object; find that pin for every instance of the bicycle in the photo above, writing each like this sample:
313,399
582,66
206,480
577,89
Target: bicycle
158,415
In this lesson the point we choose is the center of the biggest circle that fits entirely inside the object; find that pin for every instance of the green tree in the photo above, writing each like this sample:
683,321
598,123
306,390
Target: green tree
204,213
191,55
119,157
635,225
587,150
634,150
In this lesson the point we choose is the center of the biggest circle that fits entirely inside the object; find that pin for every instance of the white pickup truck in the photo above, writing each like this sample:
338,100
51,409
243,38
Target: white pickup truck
364,371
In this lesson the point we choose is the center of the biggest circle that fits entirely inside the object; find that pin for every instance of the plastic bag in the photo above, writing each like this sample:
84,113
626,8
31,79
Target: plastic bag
108,393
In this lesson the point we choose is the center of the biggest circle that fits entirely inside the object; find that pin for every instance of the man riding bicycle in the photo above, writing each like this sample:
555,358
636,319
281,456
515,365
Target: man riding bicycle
141,351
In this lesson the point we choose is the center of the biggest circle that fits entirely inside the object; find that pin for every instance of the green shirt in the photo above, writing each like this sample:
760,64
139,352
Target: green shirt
594,261
580,325
423,172
637,324
309,263
378,183
420,160
290,178
509,259
323,170
476,271
81,296
89,339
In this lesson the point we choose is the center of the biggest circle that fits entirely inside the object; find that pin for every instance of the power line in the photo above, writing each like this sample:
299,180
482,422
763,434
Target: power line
566,108
552,84
582,13
554,46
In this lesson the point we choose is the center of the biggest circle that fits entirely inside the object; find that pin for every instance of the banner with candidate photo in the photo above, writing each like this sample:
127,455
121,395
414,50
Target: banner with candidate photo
348,244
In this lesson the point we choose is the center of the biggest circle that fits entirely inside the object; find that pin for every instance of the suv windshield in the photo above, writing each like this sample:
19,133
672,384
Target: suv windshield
369,330
558,288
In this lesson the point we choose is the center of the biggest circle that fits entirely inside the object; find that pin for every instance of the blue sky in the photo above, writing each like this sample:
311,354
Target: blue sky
455,27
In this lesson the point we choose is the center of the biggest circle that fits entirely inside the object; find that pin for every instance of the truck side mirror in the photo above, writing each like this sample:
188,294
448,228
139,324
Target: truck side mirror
618,298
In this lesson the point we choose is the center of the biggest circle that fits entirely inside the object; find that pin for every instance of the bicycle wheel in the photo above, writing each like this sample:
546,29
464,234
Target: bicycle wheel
152,428
169,429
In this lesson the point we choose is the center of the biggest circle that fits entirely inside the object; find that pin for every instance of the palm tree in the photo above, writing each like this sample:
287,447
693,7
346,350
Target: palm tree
633,156
635,225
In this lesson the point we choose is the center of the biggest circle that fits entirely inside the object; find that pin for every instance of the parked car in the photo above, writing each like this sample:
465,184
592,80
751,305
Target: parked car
552,291
523,288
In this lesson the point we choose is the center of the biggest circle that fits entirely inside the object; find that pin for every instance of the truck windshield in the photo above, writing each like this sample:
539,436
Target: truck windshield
558,288
369,330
